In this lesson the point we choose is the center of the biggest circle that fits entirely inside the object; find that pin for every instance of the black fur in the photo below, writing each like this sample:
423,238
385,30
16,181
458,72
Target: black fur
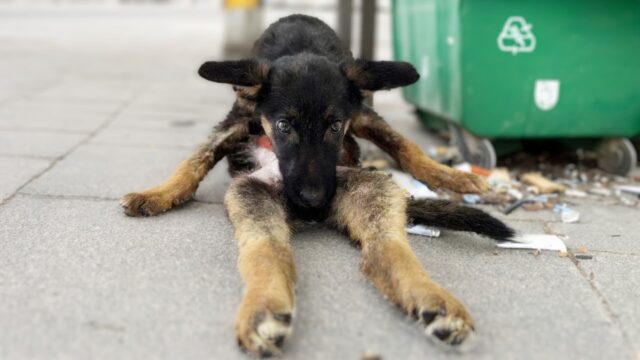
447,215
305,77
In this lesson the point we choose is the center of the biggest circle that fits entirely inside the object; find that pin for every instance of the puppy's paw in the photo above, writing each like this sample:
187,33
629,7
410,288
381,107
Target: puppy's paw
443,317
262,333
466,183
144,204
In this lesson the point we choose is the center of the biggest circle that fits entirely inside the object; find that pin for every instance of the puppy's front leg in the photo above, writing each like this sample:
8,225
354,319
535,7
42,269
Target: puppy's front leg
266,264
183,183
370,126
372,210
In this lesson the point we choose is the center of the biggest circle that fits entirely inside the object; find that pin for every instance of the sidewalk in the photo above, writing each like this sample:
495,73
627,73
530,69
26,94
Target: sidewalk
94,105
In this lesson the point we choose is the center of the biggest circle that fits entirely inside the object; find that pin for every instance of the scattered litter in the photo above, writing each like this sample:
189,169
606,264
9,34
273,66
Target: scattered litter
535,206
630,189
414,187
535,242
584,257
583,249
515,193
563,254
599,191
423,230
541,183
567,215
500,175
471,198
480,171
529,199
466,167
575,193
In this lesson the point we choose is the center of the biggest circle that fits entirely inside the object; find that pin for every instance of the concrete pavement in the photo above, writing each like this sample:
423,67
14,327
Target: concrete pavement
97,103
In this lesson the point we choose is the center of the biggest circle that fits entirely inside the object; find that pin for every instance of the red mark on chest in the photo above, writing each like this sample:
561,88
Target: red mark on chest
264,142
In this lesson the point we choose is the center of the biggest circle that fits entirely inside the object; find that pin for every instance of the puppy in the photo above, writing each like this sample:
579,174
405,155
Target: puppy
290,147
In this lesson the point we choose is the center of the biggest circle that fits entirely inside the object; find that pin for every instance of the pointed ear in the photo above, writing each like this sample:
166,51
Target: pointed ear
377,75
248,72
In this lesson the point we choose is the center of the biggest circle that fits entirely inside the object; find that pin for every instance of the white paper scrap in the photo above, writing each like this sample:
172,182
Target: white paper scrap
535,242
630,189
423,230
414,187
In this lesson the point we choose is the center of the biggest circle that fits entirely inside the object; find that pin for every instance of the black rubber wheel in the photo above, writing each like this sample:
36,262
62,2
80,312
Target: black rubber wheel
473,149
617,156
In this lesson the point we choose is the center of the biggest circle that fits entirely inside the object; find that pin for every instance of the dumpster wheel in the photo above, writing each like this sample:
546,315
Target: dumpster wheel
473,149
617,156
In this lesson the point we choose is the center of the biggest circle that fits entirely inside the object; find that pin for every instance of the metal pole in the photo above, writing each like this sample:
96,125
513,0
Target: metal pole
345,10
368,29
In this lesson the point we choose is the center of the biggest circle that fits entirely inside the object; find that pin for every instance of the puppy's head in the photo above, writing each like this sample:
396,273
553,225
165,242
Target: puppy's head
305,103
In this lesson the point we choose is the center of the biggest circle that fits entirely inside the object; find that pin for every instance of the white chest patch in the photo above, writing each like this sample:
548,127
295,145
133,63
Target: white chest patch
268,169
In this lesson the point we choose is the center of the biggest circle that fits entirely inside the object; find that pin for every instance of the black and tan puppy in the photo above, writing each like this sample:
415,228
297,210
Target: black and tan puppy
288,139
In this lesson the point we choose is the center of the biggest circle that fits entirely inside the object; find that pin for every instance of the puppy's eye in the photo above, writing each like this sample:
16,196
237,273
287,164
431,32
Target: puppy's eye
336,126
283,126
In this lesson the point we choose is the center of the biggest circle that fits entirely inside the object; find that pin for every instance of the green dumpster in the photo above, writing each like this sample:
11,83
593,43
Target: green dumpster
527,69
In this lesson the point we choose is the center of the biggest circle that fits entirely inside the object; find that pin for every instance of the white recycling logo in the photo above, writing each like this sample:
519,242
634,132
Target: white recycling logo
516,36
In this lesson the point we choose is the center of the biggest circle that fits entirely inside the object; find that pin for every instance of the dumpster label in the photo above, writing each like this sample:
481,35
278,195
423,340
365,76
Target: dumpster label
516,36
546,94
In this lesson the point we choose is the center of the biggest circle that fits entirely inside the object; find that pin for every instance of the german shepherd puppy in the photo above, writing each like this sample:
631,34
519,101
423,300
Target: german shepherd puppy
290,146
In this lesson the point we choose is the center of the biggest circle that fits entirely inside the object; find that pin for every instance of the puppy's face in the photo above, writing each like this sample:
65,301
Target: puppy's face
305,103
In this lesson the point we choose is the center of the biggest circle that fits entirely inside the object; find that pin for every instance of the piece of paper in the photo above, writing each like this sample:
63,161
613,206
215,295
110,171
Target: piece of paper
423,230
414,187
535,242
630,189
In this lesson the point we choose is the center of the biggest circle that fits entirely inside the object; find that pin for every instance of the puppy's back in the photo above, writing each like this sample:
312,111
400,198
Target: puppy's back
296,34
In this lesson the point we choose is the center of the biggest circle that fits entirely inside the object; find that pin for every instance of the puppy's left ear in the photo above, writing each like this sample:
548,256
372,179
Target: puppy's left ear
377,75
247,72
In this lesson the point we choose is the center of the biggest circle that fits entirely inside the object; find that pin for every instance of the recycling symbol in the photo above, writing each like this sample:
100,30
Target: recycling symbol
516,36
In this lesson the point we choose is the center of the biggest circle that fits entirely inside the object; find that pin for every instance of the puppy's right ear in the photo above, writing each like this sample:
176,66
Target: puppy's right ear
246,73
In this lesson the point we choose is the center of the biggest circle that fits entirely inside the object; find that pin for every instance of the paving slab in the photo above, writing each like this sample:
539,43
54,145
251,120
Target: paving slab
36,115
37,143
15,172
78,279
617,278
188,137
102,285
111,171
612,228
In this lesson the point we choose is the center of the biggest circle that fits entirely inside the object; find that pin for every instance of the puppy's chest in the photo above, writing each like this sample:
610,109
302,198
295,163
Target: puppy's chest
267,168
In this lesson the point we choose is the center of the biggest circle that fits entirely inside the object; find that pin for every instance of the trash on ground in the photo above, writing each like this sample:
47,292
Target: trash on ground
529,199
583,249
541,183
471,198
414,187
423,230
567,215
535,242
629,189
575,193
584,257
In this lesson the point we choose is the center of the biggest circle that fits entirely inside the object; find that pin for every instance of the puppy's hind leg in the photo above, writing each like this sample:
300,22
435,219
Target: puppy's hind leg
184,181
372,210
266,264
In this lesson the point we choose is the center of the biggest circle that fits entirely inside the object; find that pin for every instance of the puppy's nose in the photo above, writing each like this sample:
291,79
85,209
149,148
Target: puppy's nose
312,197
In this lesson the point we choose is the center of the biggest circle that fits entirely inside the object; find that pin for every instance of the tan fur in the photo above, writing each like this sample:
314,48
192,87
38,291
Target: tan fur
370,126
184,181
266,265
371,208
